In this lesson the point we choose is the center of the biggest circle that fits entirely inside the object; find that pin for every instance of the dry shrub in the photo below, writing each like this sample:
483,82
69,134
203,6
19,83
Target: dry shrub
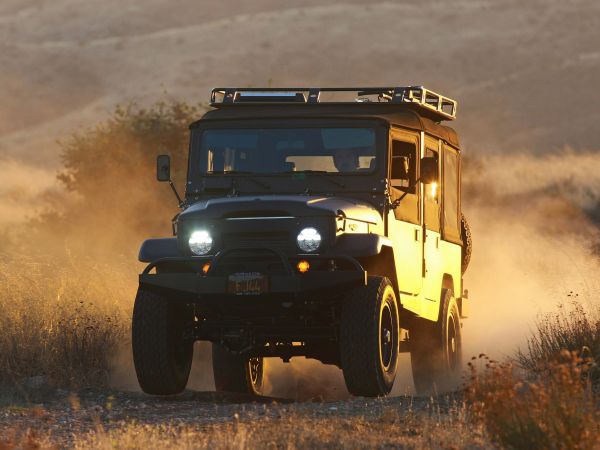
61,321
68,276
19,439
567,329
554,411
112,200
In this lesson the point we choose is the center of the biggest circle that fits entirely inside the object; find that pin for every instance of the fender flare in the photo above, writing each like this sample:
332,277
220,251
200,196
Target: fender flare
153,249
361,245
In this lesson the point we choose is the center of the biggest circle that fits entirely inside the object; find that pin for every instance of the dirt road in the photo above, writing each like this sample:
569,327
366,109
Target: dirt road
65,419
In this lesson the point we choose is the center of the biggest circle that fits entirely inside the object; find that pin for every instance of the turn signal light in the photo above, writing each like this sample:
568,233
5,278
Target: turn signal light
303,266
206,268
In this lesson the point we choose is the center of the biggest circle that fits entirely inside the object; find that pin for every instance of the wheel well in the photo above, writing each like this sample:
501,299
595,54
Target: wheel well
383,265
448,282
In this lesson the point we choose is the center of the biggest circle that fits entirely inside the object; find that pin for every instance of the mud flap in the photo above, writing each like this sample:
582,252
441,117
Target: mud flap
464,305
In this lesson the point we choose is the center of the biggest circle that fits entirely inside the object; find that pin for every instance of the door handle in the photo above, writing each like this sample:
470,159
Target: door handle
417,235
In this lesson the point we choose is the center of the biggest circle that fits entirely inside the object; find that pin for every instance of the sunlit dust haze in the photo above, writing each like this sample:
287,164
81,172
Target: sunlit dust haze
534,221
525,77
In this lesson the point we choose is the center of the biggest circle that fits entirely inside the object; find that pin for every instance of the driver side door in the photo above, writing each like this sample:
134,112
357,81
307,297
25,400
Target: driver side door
404,222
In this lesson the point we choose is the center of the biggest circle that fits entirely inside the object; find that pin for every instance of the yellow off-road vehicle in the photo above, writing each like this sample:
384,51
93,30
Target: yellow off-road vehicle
312,225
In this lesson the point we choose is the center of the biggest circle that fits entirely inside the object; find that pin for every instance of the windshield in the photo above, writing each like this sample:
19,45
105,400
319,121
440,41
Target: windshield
345,150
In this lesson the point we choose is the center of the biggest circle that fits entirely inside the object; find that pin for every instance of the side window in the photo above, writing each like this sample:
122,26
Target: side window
403,176
432,191
404,166
451,195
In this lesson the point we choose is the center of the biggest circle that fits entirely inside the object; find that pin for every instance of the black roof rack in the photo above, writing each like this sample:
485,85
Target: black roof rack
428,102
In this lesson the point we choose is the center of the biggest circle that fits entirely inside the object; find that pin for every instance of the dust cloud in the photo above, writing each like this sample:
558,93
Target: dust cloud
534,218
535,225
534,221
305,379
21,188
535,228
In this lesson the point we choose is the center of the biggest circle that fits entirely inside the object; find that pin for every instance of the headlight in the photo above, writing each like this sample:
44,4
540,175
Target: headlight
200,242
309,240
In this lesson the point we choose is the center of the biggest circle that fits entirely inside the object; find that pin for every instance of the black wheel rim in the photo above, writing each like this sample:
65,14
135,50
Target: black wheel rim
453,343
387,337
255,366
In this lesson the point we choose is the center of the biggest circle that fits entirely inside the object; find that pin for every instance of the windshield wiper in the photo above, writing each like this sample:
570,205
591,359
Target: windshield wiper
238,172
320,172
227,172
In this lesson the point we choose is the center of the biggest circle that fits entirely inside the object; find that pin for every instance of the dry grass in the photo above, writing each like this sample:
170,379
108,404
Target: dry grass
570,328
61,321
392,429
64,320
17,439
545,399
65,312
555,410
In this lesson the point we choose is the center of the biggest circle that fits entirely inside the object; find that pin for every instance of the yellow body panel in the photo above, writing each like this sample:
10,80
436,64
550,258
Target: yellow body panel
441,258
432,281
408,251
421,265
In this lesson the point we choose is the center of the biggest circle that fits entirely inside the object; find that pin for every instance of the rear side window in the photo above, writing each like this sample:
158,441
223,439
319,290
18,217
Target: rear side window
431,195
403,174
451,192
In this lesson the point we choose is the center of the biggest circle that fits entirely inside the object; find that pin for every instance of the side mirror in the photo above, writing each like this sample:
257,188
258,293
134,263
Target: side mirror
429,170
163,168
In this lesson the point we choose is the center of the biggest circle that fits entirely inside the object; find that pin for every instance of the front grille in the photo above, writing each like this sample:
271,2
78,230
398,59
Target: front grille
241,260
277,240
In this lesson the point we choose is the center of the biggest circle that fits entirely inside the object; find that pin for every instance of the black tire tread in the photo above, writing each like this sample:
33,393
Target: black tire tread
360,313
153,323
430,374
230,372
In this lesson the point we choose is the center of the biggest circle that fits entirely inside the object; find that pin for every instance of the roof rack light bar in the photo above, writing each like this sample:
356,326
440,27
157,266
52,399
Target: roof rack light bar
436,105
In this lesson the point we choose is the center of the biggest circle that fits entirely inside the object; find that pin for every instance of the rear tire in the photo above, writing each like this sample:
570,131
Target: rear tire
369,338
436,349
161,354
237,373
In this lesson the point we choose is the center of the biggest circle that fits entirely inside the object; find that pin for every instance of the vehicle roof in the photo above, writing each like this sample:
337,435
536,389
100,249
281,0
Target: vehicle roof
402,115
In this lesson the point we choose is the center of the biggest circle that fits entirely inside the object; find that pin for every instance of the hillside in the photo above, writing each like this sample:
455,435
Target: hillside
526,77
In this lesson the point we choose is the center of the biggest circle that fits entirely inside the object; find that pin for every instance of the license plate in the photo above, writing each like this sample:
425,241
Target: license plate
247,283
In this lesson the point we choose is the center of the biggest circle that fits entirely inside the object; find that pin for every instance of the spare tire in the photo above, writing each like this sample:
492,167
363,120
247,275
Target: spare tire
467,247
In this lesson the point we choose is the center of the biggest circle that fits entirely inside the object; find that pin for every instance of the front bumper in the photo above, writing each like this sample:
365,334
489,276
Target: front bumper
291,283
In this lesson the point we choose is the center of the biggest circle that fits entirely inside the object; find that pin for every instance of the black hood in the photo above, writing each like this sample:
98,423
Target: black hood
280,205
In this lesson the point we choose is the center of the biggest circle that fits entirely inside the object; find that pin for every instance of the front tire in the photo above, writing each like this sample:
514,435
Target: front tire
161,354
436,349
369,343
237,373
